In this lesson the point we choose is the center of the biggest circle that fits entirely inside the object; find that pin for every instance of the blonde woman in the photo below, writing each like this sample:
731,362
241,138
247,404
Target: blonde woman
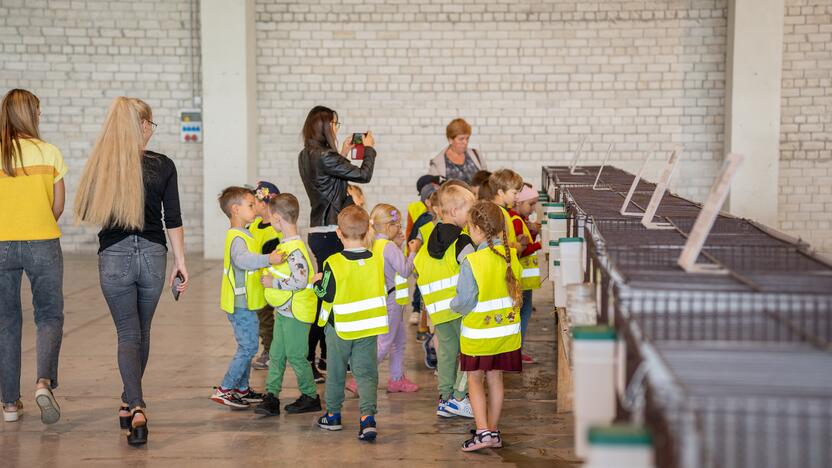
457,160
31,202
123,190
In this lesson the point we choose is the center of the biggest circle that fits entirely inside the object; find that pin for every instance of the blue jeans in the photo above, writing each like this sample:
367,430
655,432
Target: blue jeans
132,276
43,263
525,313
246,331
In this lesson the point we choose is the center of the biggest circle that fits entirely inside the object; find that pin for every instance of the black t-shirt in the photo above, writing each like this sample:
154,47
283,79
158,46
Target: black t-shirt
160,191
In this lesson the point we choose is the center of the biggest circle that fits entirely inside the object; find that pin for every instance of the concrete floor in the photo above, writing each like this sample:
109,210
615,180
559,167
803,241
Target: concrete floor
192,344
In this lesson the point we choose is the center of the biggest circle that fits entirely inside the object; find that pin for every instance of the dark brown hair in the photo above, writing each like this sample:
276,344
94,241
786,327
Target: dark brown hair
479,178
18,120
232,196
488,217
317,129
485,191
286,205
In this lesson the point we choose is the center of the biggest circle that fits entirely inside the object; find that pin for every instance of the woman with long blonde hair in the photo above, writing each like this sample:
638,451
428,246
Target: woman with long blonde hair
31,202
123,190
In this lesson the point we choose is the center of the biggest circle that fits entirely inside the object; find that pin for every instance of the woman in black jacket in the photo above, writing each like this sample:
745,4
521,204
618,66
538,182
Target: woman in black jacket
326,174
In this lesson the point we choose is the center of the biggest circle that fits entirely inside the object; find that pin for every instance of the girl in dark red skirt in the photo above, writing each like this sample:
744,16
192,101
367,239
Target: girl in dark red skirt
489,298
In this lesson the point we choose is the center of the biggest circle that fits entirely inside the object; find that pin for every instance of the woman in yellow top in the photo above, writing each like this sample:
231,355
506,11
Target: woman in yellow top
31,202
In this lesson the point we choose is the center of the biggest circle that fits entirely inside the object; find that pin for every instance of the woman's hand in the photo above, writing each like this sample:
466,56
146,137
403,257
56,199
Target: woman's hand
347,147
369,140
179,269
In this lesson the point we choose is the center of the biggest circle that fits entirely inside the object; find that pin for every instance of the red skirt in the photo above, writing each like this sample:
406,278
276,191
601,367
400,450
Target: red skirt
506,362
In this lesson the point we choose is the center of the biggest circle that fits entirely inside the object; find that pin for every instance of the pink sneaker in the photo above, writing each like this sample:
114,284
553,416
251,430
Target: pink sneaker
527,359
401,386
352,386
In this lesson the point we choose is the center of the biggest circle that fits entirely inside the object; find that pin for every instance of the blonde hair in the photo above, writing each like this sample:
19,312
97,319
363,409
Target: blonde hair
488,217
382,215
454,196
111,191
457,127
505,180
354,222
231,196
286,205
18,120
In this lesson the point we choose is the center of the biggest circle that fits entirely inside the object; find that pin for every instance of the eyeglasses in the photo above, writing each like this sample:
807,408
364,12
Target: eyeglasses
337,125
152,125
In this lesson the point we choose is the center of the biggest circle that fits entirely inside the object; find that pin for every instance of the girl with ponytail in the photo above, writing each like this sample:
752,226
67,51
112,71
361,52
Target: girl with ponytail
488,297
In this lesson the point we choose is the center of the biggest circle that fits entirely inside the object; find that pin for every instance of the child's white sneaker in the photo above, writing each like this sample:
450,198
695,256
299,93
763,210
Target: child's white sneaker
460,407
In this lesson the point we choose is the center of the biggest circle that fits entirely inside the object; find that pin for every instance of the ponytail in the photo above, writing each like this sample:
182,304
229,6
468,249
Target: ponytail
514,289
488,217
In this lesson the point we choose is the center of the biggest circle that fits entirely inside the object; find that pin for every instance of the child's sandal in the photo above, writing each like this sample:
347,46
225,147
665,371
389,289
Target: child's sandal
480,440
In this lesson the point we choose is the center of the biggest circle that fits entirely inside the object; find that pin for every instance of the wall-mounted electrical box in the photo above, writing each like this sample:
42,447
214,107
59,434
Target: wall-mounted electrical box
190,125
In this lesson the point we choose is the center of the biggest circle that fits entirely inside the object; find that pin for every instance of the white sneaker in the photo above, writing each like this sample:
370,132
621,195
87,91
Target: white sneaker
460,408
13,414
414,317
50,412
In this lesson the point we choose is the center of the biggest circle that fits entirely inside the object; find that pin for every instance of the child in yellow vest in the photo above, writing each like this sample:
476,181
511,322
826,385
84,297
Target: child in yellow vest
488,295
354,312
241,262
268,239
437,266
530,278
288,289
415,211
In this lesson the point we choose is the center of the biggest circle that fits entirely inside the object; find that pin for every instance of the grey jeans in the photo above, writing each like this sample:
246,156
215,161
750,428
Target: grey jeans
132,275
43,263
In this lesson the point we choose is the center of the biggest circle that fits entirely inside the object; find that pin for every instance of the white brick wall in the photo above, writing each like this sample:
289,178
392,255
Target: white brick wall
530,76
78,55
806,122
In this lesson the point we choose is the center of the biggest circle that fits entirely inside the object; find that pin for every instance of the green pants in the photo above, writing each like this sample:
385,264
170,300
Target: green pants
266,332
452,381
290,343
361,355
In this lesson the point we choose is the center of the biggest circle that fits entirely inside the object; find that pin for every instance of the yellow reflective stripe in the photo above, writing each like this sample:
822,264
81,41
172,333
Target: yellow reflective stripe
360,306
237,291
494,304
530,272
438,306
401,293
494,332
324,312
358,325
277,273
439,285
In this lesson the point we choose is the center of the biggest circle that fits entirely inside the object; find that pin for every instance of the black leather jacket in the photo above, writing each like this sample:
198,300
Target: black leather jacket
325,175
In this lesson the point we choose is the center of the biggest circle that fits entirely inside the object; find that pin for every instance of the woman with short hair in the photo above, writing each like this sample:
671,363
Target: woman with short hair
457,161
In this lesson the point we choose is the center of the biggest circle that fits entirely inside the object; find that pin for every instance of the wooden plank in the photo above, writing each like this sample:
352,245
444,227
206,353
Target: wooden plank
564,375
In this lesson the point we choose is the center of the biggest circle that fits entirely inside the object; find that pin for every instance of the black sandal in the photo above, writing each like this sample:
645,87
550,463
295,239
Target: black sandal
124,421
138,434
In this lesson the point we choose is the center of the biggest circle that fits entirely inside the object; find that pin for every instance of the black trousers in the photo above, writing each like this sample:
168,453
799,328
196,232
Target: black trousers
322,244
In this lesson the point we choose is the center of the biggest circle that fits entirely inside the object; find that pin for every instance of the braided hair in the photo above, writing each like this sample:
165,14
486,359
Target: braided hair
488,217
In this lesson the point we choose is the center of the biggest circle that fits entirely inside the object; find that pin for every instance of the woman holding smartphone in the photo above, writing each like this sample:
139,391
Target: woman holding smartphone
124,189
326,174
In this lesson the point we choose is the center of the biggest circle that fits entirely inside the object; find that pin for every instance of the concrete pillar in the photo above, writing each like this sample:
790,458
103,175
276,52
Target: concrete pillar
752,105
229,108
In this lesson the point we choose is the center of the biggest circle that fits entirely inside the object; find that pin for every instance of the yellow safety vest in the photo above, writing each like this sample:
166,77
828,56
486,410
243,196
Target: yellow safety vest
530,277
261,236
304,302
425,230
416,209
360,303
437,282
401,283
252,288
510,235
493,327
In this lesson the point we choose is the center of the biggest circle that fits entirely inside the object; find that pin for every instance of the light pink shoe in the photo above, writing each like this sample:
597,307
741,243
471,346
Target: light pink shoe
352,386
401,386
527,359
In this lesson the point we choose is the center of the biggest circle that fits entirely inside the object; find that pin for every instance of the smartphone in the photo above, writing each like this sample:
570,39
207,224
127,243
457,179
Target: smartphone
358,138
175,288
